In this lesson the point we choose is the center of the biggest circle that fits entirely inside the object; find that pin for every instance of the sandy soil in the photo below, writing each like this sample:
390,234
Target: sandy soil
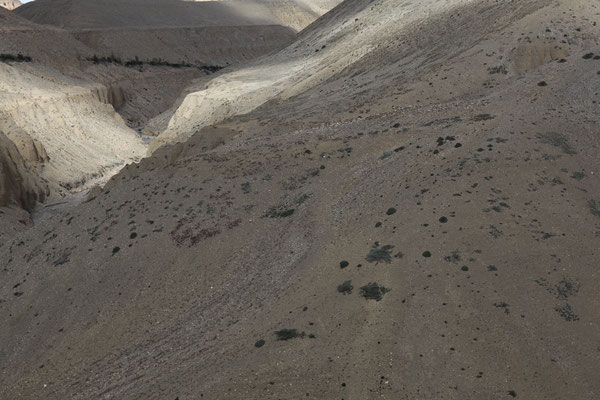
412,212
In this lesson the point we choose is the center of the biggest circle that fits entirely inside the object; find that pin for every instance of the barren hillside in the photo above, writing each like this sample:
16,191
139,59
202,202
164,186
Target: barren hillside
99,14
67,104
403,203
296,14
88,14
145,35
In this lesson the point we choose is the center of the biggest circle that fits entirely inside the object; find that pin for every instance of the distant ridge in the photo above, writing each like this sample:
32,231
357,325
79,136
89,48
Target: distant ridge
95,14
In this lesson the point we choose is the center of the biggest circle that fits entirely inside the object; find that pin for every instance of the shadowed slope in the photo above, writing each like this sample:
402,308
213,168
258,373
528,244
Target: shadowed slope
87,14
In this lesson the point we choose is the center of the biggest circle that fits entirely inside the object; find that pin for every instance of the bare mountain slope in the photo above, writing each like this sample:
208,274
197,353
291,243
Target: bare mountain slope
83,93
296,14
95,14
139,30
353,49
420,220
87,14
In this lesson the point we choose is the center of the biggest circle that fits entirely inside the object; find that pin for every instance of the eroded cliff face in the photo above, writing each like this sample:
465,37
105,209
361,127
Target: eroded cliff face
20,185
70,127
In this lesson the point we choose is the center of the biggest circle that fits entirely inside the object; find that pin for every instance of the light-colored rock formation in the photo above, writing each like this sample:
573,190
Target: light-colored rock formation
19,184
67,126
10,4
64,128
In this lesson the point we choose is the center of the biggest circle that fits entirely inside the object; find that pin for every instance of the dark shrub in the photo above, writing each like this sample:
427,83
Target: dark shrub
373,291
287,334
345,288
380,254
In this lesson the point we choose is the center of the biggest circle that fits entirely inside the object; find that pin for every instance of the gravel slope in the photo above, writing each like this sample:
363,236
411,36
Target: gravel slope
419,220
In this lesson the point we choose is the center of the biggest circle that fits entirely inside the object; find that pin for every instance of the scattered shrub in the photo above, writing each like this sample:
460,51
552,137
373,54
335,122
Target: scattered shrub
557,140
278,212
578,175
501,69
594,208
136,62
15,58
288,334
380,254
373,291
567,313
345,288
482,117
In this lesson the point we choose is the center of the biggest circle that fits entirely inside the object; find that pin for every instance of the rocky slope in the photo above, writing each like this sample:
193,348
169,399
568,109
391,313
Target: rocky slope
415,216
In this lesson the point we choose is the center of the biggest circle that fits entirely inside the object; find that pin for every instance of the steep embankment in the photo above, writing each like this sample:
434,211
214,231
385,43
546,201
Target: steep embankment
354,51
436,239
